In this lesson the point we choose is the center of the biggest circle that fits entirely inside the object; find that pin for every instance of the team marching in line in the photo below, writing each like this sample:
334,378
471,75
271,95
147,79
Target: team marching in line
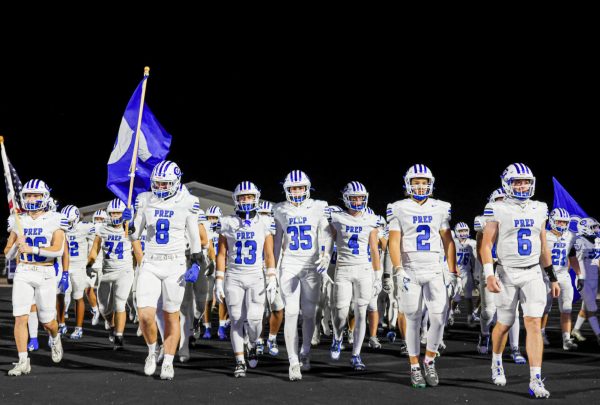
307,262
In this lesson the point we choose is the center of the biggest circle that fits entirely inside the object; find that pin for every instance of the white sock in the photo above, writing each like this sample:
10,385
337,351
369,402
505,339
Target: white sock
119,334
240,357
223,323
272,337
32,324
22,357
152,348
535,372
579,322
207,324
428,359
168,359
95,309
415,367
594,324
497,358
566,336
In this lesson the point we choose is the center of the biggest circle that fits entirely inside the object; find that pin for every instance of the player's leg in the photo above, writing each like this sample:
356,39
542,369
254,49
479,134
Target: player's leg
290,292
235,296
121,287
342,293
23,294
148,289
363,293
310,289
32,327
565,306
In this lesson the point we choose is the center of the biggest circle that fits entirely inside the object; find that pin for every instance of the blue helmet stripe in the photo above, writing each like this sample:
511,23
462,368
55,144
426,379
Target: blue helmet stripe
516,166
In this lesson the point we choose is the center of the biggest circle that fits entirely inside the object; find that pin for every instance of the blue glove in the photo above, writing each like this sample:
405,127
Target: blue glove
63,284
127,214
191,275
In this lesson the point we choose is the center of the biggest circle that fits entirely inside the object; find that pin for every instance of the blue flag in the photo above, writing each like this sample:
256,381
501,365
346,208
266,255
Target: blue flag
562,199
153,147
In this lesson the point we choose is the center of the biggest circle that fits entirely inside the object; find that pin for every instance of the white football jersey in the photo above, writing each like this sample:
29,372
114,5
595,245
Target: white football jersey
519,228
245,242
588,254
166,221
352,237
116,247
420,225
78,242
465,254
301,228
38,232
560,247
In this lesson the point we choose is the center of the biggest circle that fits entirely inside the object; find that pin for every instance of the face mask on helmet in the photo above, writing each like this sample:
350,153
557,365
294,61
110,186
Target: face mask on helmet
461,230
35,195
518,182
588,227
246,197
297,187
115,212
165,180
355,196
72,214
418,182
559,220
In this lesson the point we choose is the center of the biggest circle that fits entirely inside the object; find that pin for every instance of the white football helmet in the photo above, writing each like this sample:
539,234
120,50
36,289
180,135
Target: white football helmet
461,230
71,212
381,222
35,187
518,171
419,192
355,189
244,188
214,211
588,227
296,178
165,172
201,215
497,194
101,215
265,207
115,205
559,214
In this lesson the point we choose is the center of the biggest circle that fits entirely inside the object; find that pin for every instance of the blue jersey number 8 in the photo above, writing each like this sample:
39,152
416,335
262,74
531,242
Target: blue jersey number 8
162,231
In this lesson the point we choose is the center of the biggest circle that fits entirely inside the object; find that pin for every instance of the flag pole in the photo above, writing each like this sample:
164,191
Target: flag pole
10,186
136,144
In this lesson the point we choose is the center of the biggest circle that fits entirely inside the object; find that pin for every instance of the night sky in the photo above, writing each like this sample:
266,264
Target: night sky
340,111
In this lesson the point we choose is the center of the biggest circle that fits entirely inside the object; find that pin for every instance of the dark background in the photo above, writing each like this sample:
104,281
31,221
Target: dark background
340,107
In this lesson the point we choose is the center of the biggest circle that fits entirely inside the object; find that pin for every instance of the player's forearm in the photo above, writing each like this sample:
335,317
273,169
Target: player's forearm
193,234
394,248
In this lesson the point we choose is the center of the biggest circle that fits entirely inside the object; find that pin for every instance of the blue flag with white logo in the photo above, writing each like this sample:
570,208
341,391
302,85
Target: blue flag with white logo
153,147
562,199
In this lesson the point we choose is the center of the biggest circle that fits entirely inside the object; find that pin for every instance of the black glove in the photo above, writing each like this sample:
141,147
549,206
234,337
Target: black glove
580,284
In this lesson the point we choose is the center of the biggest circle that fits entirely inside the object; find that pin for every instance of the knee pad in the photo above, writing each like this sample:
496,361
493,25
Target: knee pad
256,305
506,317
487,315
46,316
120,304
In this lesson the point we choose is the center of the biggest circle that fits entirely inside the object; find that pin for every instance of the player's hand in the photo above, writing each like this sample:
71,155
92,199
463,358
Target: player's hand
555,288
580,284
271,289
493,284
219,291
377,284
323,263
191,275
25,248
401,279
127,214
89,270
63,284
